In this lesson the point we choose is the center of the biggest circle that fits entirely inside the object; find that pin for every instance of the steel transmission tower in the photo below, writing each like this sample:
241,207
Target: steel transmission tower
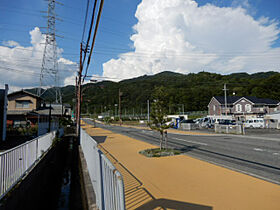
49,77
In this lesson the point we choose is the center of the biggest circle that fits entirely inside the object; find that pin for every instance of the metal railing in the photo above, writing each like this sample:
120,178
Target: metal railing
106,180
16,162
233,129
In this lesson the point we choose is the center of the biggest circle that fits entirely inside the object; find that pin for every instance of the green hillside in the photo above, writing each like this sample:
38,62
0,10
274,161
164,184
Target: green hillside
192,90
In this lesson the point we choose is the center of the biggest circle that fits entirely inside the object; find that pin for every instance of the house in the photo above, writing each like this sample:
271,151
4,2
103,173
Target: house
3,112
21,108
242,108
25,108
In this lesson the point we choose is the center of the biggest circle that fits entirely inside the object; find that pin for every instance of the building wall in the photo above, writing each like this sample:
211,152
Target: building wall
214,111
22,97
242,103
265,109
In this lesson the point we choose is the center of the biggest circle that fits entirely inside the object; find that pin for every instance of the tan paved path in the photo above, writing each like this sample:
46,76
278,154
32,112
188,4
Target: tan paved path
182,182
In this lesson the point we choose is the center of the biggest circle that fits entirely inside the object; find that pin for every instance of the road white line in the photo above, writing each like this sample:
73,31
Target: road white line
258,149
276,153
194,142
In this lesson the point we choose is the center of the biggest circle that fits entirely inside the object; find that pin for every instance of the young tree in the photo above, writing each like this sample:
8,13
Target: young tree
159,109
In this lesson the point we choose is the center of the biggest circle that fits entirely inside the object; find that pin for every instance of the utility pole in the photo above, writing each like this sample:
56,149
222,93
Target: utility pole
120,109
225,89
50,117
148,104
79,93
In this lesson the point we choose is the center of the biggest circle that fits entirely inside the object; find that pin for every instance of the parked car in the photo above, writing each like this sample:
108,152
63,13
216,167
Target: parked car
254,123
187,121
227,122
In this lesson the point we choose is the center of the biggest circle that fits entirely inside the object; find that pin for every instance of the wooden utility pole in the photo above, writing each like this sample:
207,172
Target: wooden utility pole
78,123
120,108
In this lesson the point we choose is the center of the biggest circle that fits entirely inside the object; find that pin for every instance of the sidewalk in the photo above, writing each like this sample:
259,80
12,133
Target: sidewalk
182,182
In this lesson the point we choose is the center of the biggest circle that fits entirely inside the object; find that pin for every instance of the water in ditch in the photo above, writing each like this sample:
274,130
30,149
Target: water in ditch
70,191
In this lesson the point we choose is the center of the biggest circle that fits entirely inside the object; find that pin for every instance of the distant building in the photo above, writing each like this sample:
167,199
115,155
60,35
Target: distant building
21,108
242,107
25,108
3,112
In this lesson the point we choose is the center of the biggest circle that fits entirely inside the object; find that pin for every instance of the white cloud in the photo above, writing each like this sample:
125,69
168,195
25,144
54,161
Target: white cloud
20,67
180,36
10,43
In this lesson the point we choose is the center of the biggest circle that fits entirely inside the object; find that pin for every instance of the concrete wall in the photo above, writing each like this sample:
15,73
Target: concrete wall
88,194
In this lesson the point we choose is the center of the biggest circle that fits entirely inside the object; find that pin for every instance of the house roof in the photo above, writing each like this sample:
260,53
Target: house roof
256,100
18,112
24,92
230,99
253,99
46,110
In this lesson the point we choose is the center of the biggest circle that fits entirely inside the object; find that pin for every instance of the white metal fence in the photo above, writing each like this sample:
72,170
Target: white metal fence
106,180
16,162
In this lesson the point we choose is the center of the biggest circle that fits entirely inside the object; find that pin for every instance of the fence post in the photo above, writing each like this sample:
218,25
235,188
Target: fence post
121,190
102,200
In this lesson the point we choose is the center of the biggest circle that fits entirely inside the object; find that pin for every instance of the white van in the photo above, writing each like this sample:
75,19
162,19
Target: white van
254,123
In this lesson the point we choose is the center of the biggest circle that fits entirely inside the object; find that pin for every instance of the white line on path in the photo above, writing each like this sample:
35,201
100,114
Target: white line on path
194,142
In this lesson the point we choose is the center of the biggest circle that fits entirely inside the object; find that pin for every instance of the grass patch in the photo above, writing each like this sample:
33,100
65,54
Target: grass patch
159,153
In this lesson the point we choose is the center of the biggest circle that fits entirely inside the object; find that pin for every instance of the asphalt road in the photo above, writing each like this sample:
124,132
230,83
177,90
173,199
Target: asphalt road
258,157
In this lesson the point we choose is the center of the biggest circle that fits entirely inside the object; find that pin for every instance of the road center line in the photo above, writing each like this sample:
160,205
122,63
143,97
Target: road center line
194,142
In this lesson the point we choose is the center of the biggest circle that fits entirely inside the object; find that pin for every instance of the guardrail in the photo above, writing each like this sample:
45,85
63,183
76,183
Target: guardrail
16,162
106,180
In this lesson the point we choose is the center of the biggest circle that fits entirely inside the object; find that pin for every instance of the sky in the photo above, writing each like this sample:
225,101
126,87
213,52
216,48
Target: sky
137,37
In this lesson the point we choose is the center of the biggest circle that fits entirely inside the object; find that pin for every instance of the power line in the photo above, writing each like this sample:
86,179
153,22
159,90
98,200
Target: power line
89,33
95,33
85,21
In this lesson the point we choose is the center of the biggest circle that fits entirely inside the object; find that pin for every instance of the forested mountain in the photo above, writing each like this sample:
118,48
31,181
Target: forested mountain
192,90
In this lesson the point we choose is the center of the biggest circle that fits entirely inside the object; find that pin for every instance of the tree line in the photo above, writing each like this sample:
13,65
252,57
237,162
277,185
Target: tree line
191,92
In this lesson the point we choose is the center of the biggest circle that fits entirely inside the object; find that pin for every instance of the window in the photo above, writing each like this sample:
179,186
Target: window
214,108
239,108
22,104
248,108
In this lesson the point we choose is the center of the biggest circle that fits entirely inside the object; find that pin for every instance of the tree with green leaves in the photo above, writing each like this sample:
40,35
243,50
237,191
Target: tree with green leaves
159,110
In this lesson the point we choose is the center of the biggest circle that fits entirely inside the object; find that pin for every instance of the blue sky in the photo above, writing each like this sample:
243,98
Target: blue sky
19,17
